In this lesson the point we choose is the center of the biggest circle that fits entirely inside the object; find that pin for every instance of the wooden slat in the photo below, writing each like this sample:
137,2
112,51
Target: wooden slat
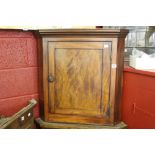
15,117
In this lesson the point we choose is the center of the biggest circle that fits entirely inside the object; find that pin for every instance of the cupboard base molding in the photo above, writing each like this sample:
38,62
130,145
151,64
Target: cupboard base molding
48,125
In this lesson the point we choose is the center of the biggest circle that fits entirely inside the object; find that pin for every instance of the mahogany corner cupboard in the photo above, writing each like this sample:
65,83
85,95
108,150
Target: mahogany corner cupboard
81,78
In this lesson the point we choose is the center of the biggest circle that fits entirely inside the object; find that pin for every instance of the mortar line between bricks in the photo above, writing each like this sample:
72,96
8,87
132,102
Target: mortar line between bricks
18,68
1,37
13,97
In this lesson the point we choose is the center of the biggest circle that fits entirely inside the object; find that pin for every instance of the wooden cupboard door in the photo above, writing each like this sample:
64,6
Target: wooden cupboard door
81,78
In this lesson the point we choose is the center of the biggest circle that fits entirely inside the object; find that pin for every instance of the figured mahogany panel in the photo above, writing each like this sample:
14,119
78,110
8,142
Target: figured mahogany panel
80,86
78,74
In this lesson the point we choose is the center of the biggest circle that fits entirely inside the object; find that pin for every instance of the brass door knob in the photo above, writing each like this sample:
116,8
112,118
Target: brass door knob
50,78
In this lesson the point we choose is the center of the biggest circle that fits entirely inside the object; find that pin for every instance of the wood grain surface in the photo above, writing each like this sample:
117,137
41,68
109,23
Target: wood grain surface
86,67
78,73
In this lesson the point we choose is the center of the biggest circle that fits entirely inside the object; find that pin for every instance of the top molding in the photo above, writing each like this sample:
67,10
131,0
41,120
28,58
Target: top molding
110,33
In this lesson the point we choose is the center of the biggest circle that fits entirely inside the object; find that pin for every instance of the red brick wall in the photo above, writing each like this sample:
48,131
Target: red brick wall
18,71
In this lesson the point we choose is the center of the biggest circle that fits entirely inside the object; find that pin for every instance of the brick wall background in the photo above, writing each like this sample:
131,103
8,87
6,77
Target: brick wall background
18,71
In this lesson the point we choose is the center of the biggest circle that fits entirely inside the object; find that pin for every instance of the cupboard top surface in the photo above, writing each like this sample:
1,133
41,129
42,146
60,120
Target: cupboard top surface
101,32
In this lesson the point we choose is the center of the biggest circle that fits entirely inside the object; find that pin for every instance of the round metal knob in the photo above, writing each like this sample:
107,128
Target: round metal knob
50,78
